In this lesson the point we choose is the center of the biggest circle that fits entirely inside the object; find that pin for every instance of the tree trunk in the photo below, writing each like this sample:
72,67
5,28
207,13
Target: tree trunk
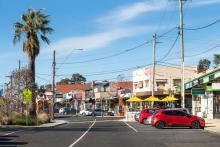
31,68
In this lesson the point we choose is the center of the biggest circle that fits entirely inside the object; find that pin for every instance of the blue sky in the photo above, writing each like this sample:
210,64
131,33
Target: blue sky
103,28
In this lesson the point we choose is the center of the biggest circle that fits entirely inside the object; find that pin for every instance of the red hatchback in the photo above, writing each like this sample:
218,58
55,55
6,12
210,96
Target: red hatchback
176,118
145,113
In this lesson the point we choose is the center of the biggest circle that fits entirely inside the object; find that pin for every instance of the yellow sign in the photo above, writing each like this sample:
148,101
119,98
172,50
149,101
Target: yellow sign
27,94
2,102
50,101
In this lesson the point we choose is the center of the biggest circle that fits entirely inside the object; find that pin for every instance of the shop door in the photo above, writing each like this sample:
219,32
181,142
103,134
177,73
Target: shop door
217,107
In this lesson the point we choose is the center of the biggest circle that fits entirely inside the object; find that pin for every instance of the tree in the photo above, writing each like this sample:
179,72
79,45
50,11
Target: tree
65,81
216,60
203,65
77,78
33,25
13,90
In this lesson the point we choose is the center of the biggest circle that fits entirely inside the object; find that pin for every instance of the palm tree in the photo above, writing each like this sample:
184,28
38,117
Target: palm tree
33,25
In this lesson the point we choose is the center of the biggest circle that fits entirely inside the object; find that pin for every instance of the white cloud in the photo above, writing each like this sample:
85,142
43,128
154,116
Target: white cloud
130,12
94,41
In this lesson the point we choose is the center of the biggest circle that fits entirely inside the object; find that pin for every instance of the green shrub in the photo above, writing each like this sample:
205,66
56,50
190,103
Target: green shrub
43,118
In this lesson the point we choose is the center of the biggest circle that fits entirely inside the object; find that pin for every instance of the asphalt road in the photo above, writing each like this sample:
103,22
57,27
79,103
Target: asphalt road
106,132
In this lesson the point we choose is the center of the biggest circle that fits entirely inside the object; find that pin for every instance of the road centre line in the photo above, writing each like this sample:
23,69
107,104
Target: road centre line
131,127
81,137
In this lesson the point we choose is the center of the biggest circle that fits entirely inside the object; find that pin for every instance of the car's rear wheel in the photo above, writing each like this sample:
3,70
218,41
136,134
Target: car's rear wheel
160,125
84,114
195,125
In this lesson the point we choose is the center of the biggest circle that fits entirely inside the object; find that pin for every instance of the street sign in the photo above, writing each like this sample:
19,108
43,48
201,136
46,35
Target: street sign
27,94
198,91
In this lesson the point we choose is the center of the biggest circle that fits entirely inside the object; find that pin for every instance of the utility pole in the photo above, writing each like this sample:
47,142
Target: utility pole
182,55
53,85
19,81
93,94
154,62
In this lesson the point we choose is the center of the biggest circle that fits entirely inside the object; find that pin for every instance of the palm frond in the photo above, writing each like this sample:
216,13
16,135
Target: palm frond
45,39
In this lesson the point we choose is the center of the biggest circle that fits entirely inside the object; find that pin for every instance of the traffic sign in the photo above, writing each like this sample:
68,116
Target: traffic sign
50,101
27,94
2,102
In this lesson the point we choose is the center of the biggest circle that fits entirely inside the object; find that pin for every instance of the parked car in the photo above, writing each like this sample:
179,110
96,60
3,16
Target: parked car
182,109
67,110
145,113
178,118
111,113
99,112
148,120
85,112
136,116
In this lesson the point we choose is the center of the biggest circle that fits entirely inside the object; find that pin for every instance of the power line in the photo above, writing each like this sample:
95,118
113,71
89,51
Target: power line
203,27
110,56
119,53
109,72
198,54
171,48
43,79
203,51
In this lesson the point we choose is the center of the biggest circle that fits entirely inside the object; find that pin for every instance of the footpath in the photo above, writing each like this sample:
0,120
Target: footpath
48,125
213,125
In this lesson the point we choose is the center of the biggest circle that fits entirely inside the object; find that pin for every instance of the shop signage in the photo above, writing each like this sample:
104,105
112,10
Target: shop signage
188,85
206,79
216,86
217,74
209,88
198,91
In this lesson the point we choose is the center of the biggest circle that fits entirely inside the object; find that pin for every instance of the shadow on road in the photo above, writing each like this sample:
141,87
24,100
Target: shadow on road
9,141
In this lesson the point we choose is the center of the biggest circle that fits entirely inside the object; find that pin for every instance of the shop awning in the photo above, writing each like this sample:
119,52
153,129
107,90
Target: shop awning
169,99
134,99
152,99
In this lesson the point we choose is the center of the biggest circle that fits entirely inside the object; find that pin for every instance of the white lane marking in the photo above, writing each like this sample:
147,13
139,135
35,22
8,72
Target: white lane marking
82,135
12,133
131,127
79,122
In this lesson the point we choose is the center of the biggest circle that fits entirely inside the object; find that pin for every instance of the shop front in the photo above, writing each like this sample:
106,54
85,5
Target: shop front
205,92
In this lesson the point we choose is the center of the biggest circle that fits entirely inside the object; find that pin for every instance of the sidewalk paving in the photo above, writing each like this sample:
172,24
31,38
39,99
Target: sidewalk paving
213,125
48,125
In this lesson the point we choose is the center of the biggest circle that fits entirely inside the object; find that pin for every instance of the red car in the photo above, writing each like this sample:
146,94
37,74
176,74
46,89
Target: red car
145,113
178,118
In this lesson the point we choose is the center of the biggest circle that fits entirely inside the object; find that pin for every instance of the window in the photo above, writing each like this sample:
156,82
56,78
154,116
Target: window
179,113
135,85
177,82
161,83
150,111
146,83
140,84
168,112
